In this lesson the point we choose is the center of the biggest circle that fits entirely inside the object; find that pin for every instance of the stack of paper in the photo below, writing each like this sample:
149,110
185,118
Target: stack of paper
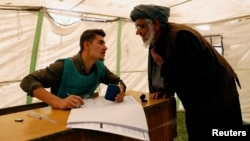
126,118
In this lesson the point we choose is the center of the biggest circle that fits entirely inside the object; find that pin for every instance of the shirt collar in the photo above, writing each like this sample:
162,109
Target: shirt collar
81,63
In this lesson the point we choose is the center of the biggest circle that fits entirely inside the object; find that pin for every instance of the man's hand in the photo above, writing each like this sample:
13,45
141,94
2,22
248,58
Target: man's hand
72,101
157,95
156,57
120,96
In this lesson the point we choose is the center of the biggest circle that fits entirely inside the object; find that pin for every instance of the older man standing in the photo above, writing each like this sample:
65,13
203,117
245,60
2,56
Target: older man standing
181,61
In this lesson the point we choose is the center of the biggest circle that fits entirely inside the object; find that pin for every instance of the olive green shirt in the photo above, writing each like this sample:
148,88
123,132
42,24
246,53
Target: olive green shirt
50,77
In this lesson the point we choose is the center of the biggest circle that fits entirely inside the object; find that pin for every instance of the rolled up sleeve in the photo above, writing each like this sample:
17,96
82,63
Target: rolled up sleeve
46,78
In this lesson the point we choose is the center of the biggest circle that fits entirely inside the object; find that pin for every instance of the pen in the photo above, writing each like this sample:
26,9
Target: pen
34,115
38,116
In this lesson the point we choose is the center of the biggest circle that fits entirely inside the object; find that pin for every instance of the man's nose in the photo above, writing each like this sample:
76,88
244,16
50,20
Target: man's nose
138,32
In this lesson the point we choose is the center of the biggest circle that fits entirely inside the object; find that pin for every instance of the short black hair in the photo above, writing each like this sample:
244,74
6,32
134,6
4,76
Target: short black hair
89,35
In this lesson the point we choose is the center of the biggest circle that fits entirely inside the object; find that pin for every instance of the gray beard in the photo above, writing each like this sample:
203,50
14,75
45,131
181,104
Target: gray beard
150,35
147,43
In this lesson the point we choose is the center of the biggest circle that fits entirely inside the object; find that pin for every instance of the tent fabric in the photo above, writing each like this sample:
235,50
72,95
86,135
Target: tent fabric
184,11
227,18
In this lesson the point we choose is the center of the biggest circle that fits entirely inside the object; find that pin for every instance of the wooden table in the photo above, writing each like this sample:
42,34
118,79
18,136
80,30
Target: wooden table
160,114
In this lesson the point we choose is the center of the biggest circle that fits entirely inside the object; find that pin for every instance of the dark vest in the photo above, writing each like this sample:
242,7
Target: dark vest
196,90
175,28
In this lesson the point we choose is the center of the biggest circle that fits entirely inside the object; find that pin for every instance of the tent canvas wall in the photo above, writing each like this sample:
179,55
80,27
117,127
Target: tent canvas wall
31,38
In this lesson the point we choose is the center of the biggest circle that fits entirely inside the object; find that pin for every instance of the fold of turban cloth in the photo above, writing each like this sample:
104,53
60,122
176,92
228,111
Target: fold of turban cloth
151,12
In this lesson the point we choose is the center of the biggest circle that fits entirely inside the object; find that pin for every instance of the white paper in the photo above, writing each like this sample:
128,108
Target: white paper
126,118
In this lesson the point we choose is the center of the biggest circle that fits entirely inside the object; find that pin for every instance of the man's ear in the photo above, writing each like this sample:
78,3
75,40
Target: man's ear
86,45
157,25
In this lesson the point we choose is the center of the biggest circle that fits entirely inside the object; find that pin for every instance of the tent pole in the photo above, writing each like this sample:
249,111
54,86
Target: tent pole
118,51
36,46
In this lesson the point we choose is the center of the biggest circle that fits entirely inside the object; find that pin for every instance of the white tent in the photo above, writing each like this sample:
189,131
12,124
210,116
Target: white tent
31,37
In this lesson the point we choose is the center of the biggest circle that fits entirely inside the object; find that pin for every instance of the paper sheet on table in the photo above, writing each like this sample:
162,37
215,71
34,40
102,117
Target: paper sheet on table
126,118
